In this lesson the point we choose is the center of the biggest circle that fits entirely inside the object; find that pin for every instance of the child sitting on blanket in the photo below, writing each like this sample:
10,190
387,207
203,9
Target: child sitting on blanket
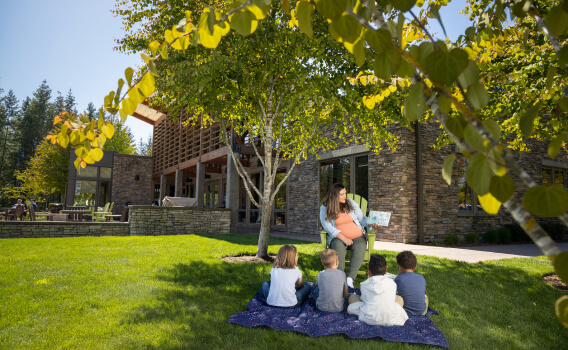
332,289
286,288
377,305
411,286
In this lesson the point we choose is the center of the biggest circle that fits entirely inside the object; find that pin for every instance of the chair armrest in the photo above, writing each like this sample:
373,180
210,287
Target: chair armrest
323,237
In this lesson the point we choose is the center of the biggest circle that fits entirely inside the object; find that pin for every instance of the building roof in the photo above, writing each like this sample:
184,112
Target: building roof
147,114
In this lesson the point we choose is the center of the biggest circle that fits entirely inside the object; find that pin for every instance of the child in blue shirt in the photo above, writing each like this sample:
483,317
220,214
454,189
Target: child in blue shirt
411,286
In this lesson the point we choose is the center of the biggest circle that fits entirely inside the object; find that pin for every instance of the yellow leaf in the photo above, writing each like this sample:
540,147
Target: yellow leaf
83,164
56,120
77,163
96,154
489,203
90,135
364,80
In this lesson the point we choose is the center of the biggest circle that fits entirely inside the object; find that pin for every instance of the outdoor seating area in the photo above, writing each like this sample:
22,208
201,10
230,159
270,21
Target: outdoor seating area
79,213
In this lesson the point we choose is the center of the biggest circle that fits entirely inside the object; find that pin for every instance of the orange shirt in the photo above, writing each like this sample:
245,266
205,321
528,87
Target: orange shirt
344,223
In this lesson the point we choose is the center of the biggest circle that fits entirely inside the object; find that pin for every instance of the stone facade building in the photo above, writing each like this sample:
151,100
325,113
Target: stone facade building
192,162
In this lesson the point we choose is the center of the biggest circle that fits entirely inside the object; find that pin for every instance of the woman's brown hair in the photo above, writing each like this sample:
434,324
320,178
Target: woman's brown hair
286,258
331,202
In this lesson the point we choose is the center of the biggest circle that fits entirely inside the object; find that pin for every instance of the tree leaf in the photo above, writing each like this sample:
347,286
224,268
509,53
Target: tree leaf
445,67
555,145
477,95
207,21
563,57
128,106
386,64
346,27
147,84
469,76
286,6
135,95
164,52
379,40
358,49
403,5
96,154
244,22
475,140
128,74
454,125
331,9
502,187
526,123
154,46
489,203
497,162
405,69
444,104
561,307
304,12
448,167
415,103
478,174
546,200
563,104
556,21
550,73
493,128
560,263
63,139
521,8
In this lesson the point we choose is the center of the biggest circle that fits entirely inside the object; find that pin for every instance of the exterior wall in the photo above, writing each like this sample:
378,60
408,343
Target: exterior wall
45,229
148,220
124,186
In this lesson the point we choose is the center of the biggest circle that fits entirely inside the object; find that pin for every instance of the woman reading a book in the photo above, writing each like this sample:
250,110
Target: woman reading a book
343,221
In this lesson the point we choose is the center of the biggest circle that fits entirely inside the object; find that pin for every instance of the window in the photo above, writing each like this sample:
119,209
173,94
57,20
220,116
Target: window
105,172
351,171
279,212
554,176
467,199
89,171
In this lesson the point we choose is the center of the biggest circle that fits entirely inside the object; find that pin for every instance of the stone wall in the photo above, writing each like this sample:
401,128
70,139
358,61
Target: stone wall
125,188
148,220
45,229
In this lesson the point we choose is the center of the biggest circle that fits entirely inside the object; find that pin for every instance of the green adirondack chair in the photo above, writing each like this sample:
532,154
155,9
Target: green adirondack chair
99,216
362,203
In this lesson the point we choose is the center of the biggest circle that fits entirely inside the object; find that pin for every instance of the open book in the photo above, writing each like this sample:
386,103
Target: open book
380,217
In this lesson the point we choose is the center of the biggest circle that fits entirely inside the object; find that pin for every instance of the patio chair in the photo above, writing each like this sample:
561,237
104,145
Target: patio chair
32,213
362,203
124,216
99,216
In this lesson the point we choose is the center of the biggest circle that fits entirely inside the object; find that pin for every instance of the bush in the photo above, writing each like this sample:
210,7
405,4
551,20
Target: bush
490,237
517,233
503,235
472,237
556,231
451,239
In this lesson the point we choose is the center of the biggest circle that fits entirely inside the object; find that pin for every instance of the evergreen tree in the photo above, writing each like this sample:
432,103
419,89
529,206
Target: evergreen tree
58,105
9,112
91,111
70,103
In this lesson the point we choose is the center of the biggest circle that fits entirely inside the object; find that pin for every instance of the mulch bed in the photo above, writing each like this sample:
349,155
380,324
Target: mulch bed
555,281
249,258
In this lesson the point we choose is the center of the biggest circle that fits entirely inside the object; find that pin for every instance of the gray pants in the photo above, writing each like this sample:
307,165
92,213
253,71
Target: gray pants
358,249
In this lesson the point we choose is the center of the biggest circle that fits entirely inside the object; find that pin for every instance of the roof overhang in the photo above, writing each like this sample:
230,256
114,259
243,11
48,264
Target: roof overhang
147,114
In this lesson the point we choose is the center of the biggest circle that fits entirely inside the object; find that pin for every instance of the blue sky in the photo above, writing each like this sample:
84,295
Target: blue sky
70,44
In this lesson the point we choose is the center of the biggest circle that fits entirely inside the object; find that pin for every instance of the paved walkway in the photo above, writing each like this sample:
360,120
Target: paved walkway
467,254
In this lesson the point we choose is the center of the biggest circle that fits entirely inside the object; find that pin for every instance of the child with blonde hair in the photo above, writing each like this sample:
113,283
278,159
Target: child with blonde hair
332,291
286,288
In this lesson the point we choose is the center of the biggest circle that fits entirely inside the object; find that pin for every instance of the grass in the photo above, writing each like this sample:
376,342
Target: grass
173,292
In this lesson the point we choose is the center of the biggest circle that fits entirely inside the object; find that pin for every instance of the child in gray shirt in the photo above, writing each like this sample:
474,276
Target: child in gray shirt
332,289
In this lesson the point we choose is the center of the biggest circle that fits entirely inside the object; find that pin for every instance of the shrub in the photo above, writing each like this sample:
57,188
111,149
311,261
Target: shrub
451,239
472,237
503,235
517,233
556,231
490,237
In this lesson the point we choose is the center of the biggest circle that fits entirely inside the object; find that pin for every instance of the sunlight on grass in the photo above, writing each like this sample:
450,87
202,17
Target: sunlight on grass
173,292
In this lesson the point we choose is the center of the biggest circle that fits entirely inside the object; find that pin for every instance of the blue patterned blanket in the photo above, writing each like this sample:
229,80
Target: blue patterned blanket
306,319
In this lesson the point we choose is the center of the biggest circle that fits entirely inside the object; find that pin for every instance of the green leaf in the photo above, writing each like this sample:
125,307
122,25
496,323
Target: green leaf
556,21
550,73
386,64
145,57
489,203
455,126
74,137
346,27
244,22
560,263
379,40
77,163
304,12
469,76
405,69
477,95
258,8
555,145
470,33
445,67
563,57
286,6
445,103
448,168
403,5
493,128
521,8
546,200
399,27
426,48
497,162
164,52
502,187
63,138
563,104
414,103
478,174
152,68
526,123
475,140
358,49
128,74
561,307
331,9
434,9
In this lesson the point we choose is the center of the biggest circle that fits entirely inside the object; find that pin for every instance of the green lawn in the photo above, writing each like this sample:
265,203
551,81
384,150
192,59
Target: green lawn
173,292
